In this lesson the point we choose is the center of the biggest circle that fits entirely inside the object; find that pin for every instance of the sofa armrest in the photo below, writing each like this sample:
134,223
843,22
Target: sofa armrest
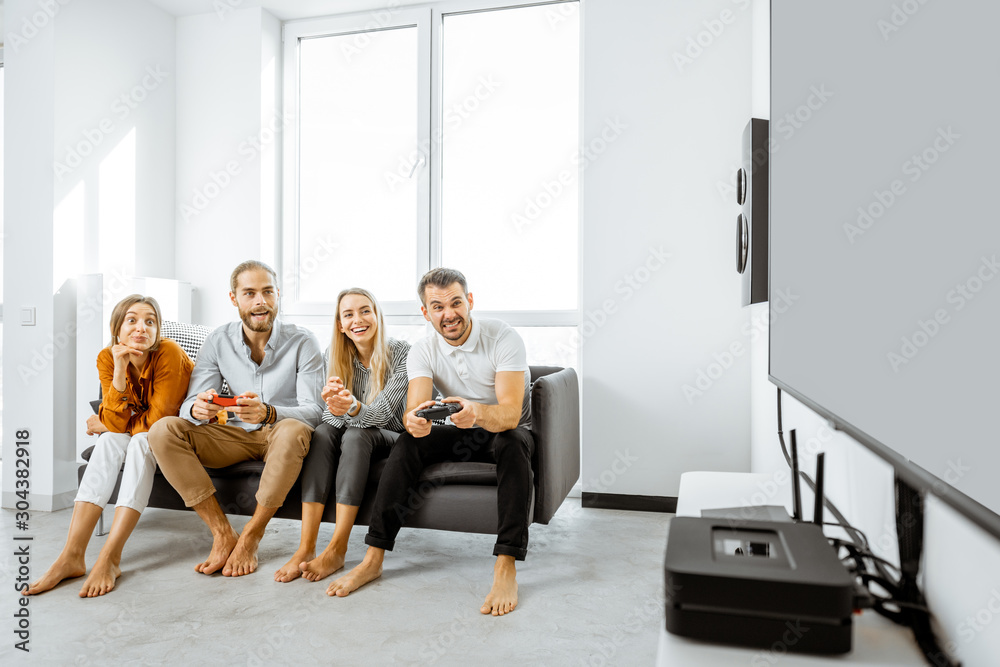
555,424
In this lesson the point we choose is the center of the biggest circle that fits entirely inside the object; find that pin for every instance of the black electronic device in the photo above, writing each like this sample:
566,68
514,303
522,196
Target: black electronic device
757,583
439,410
751,223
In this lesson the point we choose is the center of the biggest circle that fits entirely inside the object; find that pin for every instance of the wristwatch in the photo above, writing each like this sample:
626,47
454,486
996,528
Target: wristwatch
354,404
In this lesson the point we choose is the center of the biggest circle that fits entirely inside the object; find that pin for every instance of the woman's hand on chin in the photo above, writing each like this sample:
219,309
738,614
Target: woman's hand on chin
122,354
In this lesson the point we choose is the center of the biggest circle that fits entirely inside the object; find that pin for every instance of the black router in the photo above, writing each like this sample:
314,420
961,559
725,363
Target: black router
755,583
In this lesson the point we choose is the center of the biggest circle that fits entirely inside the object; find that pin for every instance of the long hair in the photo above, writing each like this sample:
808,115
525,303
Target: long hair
343,351
121,309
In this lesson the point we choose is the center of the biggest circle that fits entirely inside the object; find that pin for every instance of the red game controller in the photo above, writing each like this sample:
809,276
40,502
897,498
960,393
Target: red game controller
225,400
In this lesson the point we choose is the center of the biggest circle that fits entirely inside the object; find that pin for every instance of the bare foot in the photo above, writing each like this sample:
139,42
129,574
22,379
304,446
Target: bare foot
367,570
222,547
328,562
502,598
243,559
101,580
65,567
292,569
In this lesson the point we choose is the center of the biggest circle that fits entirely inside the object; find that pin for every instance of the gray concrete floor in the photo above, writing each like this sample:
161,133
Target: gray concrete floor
591,593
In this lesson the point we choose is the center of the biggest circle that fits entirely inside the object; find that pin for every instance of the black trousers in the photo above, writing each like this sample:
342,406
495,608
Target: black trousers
398,489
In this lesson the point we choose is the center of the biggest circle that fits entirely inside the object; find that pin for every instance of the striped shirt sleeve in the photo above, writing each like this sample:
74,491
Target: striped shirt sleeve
387,408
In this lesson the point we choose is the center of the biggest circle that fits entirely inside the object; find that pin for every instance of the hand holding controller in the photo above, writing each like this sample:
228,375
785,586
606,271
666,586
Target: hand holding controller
439,411
225,400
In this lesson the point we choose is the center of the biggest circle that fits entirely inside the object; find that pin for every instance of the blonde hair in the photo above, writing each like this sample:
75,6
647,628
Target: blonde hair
343,351
121,309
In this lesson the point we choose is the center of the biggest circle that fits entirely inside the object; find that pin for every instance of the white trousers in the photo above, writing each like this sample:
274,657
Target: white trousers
102,471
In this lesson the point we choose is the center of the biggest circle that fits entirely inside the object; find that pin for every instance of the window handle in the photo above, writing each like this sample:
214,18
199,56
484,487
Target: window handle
420,161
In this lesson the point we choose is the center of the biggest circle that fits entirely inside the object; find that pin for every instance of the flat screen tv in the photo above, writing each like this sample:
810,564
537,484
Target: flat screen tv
885,233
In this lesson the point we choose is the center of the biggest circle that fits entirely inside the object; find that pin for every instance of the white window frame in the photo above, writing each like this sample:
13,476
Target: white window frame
429,20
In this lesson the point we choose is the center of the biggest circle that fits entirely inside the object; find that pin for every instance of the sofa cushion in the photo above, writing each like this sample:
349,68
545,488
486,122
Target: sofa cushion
439,474
448,472
190,337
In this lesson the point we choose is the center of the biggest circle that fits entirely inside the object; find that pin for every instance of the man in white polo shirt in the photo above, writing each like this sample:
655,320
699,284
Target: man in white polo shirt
481,365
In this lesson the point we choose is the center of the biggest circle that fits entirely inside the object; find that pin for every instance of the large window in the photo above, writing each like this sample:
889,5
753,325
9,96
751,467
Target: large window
436,136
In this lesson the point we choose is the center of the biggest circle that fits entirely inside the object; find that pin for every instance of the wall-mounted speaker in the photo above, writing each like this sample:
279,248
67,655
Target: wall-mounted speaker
751,223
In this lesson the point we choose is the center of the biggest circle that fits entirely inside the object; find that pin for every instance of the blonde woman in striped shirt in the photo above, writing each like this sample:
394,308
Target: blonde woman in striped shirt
365,400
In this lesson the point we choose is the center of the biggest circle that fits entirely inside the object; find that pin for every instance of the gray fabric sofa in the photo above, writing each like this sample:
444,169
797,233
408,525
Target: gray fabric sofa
458,496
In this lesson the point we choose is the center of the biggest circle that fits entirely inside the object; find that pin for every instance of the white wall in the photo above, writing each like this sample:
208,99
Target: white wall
663,183
226,186
961,566
655,185
89,184
28,197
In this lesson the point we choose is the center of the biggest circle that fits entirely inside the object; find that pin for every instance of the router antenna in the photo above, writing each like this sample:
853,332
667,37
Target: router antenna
796,494
818,507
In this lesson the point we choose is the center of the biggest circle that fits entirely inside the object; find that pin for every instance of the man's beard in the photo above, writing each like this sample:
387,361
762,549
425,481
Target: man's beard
463,327
260,326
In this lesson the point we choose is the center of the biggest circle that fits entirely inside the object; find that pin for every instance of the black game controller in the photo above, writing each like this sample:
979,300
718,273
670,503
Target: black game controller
439,411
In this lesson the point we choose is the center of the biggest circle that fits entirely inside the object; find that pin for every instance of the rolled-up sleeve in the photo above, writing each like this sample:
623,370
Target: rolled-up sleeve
115,409
389,405
206,375
170,382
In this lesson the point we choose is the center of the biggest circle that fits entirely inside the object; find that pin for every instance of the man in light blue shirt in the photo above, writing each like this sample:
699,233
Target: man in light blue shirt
277,370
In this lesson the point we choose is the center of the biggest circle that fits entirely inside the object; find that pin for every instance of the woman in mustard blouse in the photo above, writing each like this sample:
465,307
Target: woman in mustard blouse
143,378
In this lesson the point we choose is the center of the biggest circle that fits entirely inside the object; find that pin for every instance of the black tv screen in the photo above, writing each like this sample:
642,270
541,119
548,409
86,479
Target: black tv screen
885,229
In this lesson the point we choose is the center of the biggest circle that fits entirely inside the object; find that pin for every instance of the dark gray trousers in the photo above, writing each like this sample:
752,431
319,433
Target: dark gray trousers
345,453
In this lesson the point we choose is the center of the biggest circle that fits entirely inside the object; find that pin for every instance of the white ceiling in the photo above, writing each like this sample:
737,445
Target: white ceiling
284,10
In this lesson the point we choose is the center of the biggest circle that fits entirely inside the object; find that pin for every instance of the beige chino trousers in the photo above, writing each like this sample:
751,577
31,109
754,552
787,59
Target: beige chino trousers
183,450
